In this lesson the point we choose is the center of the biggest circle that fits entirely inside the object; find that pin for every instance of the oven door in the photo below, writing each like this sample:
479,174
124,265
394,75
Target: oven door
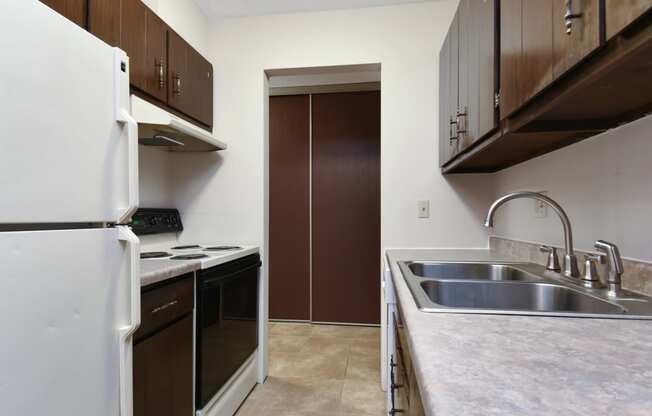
227,323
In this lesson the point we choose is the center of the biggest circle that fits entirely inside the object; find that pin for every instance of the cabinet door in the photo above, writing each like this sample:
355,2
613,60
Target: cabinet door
477,45
155,65
535,73
577,40
104,20
74,10
511,45
133,21
621,13
163,373
467,51
453,91
445,126
179,95
206,91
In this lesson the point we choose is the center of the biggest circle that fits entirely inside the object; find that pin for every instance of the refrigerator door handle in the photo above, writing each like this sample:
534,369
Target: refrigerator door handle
126,333
123,116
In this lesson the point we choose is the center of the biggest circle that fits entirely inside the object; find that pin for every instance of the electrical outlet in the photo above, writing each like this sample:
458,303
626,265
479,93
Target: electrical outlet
423,209
540,208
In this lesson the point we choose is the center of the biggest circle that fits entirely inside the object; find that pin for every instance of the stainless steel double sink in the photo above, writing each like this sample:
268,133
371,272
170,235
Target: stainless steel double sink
513,289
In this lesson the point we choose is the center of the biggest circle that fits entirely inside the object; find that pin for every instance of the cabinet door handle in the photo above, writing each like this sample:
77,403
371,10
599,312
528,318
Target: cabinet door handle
569,16
164,306
177,85
450,131
161,73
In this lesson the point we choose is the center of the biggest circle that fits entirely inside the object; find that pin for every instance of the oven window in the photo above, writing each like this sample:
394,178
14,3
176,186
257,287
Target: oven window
229,329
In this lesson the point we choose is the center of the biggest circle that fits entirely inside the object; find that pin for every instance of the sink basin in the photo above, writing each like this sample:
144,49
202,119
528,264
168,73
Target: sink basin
539,297
513,289
473,271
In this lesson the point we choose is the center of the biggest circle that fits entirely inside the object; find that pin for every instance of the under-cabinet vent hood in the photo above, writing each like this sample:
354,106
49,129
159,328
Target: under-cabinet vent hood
157,127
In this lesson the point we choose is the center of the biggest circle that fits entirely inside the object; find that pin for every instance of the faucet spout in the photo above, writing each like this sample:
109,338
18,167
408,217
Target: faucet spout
570,260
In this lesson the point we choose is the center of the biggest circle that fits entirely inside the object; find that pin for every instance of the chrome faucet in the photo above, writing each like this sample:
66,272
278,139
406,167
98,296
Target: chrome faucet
570,260
615,266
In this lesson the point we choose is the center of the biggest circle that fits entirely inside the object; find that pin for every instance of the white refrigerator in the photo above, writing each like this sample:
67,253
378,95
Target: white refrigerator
69,275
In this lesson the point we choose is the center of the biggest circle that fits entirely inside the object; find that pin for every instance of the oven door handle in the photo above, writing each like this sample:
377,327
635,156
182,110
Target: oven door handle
215,280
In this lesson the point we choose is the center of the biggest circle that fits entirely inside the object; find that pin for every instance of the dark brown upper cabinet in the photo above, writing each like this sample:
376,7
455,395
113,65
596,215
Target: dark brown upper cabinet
179,92
155,62
164,68
467,78
104,20
75,10
567,70
622,13
575,32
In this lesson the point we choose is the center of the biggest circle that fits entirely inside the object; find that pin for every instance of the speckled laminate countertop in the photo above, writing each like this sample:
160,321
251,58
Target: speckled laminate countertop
519,365
154,271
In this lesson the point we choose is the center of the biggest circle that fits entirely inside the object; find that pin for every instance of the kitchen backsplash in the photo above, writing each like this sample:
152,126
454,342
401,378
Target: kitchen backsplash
637,276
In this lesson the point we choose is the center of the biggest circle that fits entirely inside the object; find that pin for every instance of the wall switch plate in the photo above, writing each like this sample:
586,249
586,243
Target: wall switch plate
423,209
540,208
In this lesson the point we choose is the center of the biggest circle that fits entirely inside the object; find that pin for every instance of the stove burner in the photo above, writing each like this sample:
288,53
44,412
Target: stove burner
154,255
222,248
191,246
189,256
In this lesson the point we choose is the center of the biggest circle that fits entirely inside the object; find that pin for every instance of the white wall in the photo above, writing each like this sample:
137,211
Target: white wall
186,18
227,198
604,184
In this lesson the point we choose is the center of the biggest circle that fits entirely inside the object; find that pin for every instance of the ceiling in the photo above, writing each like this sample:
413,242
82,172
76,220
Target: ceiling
220,9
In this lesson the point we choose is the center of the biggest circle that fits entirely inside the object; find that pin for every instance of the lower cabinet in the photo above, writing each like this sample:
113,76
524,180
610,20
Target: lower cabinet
163,352
405,397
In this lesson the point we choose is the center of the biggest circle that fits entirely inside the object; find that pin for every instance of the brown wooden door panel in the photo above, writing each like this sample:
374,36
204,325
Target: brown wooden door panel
346,207
156,57
584,37
178,91
75,10
511,46
163,372
133,22
621,13
484,20
289,207
104,20
467,55
444,101
206,92
454,82
535,71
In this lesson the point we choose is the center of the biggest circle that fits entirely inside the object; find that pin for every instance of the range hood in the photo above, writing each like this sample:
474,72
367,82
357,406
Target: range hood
157,127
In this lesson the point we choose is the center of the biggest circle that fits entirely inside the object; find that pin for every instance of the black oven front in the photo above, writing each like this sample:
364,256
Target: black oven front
227,323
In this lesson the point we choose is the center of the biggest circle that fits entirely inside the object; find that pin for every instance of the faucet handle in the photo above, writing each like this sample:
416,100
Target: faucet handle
553,260
591,278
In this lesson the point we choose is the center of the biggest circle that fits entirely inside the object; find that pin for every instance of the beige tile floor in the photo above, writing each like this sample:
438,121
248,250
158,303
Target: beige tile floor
319,370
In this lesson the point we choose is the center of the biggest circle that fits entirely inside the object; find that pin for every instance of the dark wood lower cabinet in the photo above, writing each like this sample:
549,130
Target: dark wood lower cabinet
163,383
163,351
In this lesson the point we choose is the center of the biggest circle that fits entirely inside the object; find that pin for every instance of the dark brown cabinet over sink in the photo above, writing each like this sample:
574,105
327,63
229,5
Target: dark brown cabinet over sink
565,70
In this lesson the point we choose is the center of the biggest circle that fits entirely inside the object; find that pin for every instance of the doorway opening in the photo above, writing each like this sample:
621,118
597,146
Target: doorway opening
323,192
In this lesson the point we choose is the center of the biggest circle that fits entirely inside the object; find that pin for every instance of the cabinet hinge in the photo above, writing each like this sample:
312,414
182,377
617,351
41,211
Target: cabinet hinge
497,99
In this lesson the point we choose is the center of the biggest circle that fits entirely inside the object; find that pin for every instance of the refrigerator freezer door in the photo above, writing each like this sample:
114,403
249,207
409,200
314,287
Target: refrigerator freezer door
69,146
65,306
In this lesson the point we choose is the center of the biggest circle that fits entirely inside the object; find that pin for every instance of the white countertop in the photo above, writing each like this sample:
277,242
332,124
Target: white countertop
523,365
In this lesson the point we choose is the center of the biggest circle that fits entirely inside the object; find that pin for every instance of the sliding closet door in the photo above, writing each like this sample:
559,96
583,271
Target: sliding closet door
346,207
289,207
